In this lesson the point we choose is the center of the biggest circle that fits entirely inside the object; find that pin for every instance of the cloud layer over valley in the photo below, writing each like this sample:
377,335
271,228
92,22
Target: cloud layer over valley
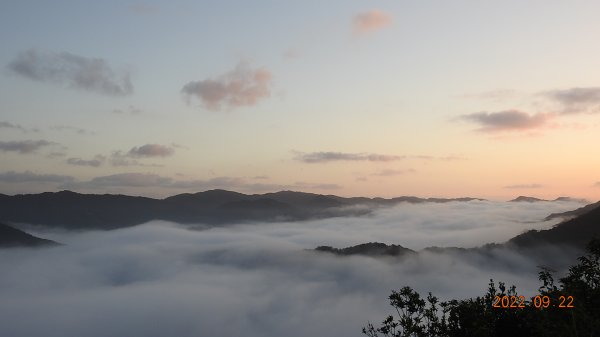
161,279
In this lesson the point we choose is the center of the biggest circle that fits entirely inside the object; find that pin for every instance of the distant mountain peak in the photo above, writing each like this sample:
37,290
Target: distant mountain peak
12,237
371,249
583,201
523,198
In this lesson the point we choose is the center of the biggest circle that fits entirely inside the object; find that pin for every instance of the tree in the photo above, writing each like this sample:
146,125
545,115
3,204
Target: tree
476,317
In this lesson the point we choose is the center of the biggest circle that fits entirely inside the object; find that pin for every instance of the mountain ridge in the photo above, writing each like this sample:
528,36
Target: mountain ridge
73,210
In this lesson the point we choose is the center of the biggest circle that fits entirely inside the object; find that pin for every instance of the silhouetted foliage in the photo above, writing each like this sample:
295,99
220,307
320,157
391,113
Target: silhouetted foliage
477,317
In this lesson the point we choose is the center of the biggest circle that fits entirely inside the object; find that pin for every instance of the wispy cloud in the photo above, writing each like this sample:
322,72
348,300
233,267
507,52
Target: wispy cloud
24,146
151,180
179,146
118,158
8,125
524,186
95,162
75,129
243,86
556,103
123,180
129,180
370,21
28,176
453,158
74,71
508,120
325,157
576,100
151,150
131,109
390,173
597,184
18,127
130,158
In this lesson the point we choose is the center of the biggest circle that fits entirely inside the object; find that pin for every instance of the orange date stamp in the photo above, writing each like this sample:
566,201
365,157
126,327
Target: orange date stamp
538,302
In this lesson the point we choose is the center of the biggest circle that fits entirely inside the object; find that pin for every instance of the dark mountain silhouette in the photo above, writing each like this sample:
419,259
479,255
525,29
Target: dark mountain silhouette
575,232
527,199
571,214
571,199
371,249
79,211
215,207
12,237
533,199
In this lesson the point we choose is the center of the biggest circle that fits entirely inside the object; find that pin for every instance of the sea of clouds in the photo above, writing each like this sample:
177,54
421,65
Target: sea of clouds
165,279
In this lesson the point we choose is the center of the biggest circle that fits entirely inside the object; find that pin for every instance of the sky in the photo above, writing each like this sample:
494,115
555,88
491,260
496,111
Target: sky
164,279
380,98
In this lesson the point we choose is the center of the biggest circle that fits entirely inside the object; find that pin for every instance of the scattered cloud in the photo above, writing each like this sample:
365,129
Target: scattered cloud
243,86
151,150
325,157
151,180
18,127
74,71
597,184
524,186
25,146
508,120
118,158
370,21
442,158
576,100
330,156
28,176
123,180
179,146
8,125
95,162
453,158
562,102
155,181
77,130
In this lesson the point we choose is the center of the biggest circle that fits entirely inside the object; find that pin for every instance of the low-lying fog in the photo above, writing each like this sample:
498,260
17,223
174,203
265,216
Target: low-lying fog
162,279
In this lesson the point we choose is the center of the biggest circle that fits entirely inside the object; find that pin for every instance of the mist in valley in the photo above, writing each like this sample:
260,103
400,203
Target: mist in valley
166,279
